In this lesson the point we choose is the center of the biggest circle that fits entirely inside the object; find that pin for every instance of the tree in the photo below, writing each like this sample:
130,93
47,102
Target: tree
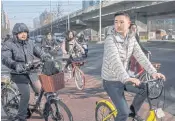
59,11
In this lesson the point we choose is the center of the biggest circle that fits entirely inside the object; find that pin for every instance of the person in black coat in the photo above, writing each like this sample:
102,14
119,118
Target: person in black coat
15,54
133,27
134,66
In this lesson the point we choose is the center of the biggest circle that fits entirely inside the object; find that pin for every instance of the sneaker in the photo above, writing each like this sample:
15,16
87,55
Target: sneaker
136,118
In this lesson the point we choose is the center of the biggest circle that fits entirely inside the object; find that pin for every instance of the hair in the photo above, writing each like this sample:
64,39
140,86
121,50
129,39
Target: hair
122,14
132,24
68,39
67,34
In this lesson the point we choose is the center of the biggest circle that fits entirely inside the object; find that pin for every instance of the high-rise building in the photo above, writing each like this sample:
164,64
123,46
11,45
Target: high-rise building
86,4
5,23
2,16
46,17
36,22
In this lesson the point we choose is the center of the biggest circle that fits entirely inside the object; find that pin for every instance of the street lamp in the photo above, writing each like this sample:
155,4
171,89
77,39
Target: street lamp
68,18
100,20
51,17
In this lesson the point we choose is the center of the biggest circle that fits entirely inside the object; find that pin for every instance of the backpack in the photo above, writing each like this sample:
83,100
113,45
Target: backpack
51,67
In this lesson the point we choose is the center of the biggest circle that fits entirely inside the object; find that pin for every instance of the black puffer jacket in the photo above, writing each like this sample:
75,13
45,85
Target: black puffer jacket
18,51
14,52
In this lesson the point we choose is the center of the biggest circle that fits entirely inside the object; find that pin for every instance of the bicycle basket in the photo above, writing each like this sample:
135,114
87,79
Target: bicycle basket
52,83
155,89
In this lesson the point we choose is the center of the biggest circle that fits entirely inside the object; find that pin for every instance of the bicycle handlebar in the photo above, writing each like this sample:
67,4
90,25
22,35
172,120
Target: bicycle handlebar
33,65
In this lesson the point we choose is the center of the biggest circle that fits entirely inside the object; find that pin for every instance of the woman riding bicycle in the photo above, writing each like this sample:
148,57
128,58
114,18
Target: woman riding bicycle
69,47
16,53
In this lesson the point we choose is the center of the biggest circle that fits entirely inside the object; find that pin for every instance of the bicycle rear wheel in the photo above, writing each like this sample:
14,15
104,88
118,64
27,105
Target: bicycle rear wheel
79,78
59,112
103,111
10,101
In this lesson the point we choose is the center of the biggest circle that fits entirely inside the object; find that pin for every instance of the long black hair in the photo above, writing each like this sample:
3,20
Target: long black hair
68,39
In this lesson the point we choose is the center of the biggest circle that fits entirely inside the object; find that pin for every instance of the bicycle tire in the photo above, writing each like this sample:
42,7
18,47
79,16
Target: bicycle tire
59,115
99,105
13,102
79,78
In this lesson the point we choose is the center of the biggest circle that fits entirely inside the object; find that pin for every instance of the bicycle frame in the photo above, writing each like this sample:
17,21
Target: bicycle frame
142,69
75,65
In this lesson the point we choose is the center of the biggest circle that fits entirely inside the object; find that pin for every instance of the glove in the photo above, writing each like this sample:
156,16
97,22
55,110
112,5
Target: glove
20,68
46,57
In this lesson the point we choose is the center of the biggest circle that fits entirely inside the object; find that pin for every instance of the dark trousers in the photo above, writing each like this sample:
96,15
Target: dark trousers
24,90
115,90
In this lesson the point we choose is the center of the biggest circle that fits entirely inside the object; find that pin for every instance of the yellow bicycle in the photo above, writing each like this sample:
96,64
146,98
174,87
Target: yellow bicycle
106,111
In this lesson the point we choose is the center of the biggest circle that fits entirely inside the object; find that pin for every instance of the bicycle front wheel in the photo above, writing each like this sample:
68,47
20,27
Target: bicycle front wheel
104,113
145,77
10,101
79,78
59,112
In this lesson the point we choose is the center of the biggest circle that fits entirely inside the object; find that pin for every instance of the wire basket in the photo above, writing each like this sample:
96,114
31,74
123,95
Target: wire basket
52,83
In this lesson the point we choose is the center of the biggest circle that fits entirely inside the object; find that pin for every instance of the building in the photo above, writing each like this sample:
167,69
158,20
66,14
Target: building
36,22
2,16
46,17
86,4
5,23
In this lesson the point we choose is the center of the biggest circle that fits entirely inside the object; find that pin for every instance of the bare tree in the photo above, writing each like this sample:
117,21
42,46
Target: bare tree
59,10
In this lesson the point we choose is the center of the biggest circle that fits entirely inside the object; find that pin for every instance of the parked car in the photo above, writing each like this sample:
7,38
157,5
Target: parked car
59,37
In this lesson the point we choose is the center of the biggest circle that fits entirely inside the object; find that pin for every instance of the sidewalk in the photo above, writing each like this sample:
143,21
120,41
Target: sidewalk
82,103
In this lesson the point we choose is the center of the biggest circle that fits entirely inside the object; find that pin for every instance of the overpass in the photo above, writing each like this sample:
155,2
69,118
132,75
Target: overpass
140,12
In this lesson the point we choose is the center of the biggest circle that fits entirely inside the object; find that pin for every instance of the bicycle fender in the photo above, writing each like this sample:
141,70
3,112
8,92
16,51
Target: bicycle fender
111,106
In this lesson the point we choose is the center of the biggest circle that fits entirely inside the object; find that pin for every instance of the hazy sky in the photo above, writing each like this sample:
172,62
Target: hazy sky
25,11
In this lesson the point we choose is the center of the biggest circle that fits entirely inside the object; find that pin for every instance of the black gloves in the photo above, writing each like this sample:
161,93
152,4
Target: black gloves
20,68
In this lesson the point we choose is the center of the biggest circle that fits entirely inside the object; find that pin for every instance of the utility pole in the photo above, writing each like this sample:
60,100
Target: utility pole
100,20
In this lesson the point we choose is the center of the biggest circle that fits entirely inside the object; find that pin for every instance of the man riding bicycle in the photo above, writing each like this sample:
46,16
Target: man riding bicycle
118,48
70,46
50,45
16,53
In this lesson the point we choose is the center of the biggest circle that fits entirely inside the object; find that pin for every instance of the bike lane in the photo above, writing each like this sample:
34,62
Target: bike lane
82,103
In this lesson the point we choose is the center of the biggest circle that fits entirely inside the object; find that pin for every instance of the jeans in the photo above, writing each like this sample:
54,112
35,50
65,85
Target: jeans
115,90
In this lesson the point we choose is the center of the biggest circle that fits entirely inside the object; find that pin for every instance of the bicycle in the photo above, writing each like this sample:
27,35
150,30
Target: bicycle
141,74
75,73
9,99
50,84
154,90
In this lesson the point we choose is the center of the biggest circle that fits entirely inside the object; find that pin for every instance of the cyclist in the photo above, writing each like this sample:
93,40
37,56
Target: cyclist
134,65
49,43
16,53
118,48
70,46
